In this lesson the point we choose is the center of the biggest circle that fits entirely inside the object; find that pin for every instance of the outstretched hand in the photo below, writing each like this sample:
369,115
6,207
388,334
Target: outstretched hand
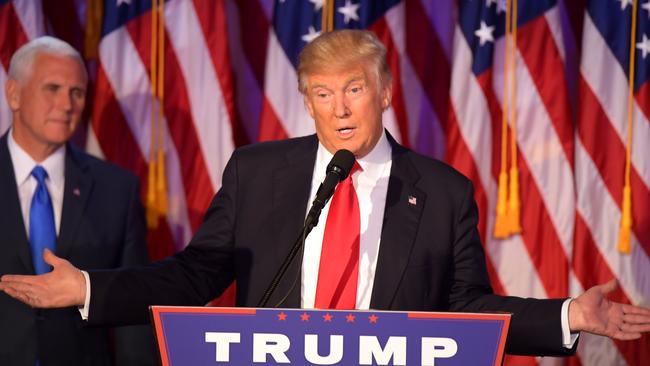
64,286
592,312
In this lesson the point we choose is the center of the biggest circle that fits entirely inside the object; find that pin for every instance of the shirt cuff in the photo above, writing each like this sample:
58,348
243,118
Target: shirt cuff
568,339
83,310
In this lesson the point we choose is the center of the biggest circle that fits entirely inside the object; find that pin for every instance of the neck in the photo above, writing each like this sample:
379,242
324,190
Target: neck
37,151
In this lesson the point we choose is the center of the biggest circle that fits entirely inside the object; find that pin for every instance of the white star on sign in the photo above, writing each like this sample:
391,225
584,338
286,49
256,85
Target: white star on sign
485,33
644,46
317,4
646,6
625,3
311,35
349,11
120,2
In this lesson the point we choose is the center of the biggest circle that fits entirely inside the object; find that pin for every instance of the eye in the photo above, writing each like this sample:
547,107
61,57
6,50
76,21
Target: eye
355,90
78,93
322,95
53,88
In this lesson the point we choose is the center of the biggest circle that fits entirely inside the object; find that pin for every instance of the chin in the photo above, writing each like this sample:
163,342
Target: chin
59,138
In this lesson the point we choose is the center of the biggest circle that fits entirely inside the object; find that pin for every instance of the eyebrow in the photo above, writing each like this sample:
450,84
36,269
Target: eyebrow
353,79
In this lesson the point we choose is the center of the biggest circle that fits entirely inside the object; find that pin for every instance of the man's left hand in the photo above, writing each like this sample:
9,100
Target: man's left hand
592,312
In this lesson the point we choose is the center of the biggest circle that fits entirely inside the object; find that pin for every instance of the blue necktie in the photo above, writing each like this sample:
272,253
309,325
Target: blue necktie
42,233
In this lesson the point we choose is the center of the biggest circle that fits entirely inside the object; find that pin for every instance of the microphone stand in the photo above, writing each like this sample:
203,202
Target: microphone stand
297,246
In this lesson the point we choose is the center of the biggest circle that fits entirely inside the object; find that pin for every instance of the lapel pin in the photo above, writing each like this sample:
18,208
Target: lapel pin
76,192
413,201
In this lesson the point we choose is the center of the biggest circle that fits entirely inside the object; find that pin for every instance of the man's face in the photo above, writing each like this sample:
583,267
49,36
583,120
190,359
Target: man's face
347,108
47,105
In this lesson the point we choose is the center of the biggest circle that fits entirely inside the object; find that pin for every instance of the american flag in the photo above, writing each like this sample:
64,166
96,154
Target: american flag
230,80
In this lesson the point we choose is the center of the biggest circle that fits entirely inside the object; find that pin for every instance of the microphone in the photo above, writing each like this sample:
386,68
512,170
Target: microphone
337,170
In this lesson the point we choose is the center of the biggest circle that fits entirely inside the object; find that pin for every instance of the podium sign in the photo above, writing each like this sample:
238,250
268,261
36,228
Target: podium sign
246,336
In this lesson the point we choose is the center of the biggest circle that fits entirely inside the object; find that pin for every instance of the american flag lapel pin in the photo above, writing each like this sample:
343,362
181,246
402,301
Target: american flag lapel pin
76,192
413,201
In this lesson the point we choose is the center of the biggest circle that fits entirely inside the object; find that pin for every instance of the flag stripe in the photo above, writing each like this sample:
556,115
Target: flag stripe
282,93
247,89
380,27
597,214
548,263
610,162
609,84
131,87
12,33
430,63
271,127
118,145
177,107
62,17
543,59
642,96
209,113
459,155
30,15
471,105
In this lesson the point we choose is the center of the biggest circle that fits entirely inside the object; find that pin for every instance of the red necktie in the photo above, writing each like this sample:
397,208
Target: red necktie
339,260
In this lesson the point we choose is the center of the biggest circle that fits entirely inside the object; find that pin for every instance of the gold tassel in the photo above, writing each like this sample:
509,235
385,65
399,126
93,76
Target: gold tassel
625,230
327,16
94,16
501,224
161,185
514,203
625,233
152,215
153,196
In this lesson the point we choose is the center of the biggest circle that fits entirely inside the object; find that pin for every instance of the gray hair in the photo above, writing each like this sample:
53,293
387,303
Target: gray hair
20,66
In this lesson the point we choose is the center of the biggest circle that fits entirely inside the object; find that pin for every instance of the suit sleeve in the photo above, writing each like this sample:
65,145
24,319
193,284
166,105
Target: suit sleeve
535,327
192,277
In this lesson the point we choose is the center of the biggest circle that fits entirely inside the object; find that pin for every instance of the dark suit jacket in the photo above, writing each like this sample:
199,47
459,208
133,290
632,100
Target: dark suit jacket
102,226
430,256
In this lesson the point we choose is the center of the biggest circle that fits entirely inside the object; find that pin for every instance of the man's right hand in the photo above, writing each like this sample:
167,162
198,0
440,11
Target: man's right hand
64,286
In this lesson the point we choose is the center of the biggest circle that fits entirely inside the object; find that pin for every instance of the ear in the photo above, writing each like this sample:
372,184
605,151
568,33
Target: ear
386,96
12,94
308,105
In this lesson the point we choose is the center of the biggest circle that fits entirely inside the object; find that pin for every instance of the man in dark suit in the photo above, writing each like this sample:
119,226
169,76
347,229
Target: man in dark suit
415,244
93,216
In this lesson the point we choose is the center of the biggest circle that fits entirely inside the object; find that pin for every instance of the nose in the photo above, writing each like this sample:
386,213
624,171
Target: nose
341,109
65,101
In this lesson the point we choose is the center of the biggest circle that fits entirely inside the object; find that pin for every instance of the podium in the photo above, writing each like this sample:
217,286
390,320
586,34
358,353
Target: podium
249,336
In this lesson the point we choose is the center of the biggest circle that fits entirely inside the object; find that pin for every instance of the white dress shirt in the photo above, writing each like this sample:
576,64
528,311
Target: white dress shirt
371,186
23,164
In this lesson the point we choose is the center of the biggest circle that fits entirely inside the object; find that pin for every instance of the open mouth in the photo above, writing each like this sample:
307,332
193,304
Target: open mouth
345,130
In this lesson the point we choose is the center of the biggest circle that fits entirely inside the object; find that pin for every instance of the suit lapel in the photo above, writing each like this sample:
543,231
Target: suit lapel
404,203
291,189
12,225
77,189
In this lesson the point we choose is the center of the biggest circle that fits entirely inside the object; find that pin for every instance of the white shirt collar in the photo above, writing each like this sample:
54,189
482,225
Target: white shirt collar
24,164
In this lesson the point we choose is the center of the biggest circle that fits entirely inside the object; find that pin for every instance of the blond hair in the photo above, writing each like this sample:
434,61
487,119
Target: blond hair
337,50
